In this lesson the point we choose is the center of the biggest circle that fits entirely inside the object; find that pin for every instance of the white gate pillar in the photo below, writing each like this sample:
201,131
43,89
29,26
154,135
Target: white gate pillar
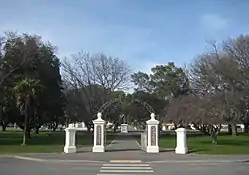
181,141
124,128
152,144
99,125
70,140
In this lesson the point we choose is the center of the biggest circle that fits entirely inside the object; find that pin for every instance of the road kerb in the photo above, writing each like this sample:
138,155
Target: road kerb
199,161
56,160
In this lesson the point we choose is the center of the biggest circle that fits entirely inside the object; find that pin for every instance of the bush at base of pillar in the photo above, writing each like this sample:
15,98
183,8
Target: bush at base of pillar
98,149
71,149
152,149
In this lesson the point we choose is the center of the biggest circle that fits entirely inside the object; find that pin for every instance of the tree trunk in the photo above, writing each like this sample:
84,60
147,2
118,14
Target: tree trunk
4,127
25,130
29,133
25,121
234,129
54,126
246,129
115,128
37,130
88,128
214,139
229,127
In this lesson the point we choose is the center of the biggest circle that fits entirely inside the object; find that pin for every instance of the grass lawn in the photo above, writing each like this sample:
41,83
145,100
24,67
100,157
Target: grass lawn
201,144
46,142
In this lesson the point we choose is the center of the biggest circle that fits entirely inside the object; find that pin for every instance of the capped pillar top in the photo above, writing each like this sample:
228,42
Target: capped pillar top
99,115
152,120
99,120
152,116
180,130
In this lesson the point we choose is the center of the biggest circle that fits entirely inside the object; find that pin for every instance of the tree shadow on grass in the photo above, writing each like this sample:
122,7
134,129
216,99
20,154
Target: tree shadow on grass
226,142
53,138
196,150
161,150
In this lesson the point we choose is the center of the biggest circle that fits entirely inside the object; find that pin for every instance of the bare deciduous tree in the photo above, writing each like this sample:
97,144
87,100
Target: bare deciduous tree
85,69
218,73
206,113
94,77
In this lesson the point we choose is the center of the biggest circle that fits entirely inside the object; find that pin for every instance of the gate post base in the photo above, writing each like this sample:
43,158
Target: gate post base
98,149
152,149
69,149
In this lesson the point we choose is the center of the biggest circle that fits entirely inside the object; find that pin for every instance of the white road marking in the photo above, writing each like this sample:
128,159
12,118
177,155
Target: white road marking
125,167
128,164
125,161
126,171
120,174
131,168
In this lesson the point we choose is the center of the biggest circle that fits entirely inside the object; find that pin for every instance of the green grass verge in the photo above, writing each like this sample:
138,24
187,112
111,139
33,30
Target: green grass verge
44,142
48,142
201,144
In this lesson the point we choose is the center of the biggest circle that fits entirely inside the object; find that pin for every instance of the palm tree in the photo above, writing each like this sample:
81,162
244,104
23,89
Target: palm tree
26,93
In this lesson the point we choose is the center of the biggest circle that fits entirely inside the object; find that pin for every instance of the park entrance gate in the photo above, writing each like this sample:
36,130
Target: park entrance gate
149,139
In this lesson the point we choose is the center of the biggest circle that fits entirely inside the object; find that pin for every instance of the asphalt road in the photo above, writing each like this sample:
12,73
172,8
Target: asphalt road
11,166
202,169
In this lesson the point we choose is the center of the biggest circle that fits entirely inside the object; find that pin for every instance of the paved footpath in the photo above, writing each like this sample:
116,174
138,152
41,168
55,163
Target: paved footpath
123,145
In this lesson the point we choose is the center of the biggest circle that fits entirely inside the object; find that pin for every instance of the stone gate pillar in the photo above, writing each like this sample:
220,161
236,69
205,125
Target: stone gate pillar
181,141
99,125
124,128
70,140
152,129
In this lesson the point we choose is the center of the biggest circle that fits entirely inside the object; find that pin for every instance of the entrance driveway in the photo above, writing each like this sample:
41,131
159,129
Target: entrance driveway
123,145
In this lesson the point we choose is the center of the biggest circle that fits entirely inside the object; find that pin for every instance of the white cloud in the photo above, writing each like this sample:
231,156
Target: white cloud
214,21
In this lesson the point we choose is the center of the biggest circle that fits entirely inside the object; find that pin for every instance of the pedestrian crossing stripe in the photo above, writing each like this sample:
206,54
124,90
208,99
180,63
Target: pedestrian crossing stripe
125,167
121,167
125,161
126,171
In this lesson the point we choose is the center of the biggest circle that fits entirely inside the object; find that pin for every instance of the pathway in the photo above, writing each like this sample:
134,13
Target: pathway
123,145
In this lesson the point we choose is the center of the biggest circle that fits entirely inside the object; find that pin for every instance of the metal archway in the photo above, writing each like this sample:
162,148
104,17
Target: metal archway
110,102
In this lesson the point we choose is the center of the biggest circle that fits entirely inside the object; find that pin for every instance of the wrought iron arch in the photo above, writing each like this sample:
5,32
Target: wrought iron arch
108,103
144,104
116,100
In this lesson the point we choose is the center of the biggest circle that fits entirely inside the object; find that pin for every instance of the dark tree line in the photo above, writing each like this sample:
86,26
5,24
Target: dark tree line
31,84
